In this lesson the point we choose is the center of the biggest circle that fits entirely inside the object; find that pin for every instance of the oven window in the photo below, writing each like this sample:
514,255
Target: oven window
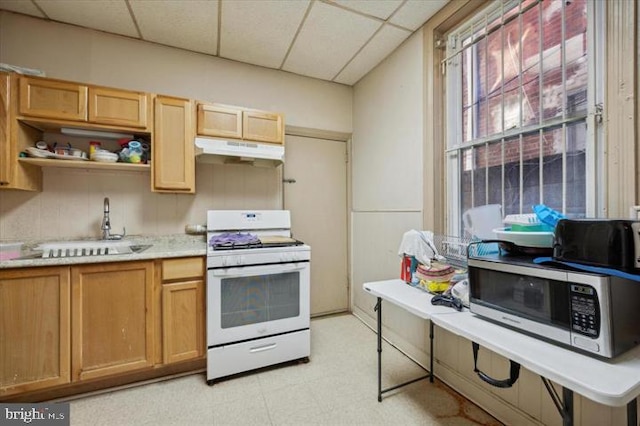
537,299
261,298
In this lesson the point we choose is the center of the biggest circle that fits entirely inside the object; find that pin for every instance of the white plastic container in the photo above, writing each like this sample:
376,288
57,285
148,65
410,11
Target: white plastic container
10,251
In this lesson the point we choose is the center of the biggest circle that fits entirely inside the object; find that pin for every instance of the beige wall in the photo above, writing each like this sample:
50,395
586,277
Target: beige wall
72,53
387,171
70,204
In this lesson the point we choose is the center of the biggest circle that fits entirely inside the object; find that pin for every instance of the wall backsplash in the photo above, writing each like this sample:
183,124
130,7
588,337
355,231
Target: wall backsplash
71,202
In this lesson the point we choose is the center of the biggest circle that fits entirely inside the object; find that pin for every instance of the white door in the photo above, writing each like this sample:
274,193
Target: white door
315,191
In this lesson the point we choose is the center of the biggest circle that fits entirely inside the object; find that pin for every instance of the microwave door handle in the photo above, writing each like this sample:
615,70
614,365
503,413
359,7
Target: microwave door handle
514,371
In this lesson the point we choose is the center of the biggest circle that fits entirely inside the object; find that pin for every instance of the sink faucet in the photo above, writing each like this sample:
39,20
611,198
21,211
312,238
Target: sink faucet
106,225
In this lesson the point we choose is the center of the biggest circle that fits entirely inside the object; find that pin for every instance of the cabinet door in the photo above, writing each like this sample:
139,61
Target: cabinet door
34,329
182,321
41,97
262,127
5,147
117,107
219,120
173,165
112,318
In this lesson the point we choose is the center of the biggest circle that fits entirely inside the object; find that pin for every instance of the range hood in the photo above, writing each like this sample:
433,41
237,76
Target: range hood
220,151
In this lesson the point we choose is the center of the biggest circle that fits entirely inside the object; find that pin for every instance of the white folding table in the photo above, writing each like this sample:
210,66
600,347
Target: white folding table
614,382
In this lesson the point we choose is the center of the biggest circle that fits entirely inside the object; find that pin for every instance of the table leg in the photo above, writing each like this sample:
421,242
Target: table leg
567,402
378,308
632,412
431,351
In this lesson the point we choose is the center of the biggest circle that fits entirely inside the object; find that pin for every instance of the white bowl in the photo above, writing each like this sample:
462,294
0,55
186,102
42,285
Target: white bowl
105,157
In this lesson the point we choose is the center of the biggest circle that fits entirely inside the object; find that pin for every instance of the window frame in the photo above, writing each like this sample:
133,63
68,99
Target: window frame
454,147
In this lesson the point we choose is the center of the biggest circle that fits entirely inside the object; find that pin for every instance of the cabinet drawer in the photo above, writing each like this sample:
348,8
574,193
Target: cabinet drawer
117,107
188,267
53,99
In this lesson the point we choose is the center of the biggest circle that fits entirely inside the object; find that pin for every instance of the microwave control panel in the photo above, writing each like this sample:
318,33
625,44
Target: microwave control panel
585,315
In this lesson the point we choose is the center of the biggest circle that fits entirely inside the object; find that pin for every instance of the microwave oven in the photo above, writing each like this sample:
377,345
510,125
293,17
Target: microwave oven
592,313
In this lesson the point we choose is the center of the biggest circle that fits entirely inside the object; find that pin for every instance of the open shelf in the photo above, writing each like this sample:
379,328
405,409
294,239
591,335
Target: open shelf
73,164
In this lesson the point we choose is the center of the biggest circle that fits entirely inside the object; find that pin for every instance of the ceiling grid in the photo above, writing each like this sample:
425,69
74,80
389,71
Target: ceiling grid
333,40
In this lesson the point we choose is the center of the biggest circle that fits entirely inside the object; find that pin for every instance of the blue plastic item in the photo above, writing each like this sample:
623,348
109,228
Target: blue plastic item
547,215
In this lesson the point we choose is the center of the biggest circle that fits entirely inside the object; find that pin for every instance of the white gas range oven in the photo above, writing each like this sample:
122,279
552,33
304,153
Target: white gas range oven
258,285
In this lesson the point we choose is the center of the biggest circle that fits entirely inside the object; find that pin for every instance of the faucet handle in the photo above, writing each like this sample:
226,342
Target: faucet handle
118,236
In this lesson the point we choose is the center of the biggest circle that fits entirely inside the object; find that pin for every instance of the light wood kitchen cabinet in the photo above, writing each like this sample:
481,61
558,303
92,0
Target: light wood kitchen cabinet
112,312
183,306
173,165
225,121
13,139
262,126
220,121
118,107
34,329
47,98
69,101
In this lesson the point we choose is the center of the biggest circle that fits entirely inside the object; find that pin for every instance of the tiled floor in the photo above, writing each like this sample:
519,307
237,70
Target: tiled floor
337,387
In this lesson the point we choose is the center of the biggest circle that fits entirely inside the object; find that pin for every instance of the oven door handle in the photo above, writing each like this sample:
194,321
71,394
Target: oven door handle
263,270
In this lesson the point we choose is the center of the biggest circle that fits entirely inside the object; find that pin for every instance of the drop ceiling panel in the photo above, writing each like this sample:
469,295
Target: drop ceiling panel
414,13
172,23
111,16
259,31
382,44
329,38
21,6
380,8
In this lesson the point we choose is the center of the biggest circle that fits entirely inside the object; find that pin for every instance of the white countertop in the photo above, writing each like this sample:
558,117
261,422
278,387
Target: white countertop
612,382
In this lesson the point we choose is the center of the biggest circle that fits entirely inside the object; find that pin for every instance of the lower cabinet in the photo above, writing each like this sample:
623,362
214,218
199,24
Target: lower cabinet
112,318
71,328
183,305
35,323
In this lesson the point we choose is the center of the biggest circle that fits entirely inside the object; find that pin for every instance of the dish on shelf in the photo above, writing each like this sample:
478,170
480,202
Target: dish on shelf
105,157
43,153
38,153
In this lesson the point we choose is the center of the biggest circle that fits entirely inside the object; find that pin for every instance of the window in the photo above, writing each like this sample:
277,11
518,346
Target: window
520,102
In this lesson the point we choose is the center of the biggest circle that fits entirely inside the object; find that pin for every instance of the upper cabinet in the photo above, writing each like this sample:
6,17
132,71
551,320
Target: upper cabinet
53,99
62,100
14,139
226,121
118,107
173,166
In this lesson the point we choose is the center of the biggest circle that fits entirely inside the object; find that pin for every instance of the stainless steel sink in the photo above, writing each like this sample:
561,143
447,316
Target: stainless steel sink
84,248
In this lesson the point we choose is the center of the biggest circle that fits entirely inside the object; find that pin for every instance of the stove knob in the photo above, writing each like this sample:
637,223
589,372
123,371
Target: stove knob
225,261
240,260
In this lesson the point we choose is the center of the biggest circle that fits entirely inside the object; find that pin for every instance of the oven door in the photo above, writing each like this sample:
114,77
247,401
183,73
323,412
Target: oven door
250,302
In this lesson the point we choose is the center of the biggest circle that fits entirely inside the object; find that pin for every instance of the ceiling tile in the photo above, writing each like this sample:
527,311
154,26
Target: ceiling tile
259,31
329,39
380,8
382,44
21,6
106,15
414,13
191,25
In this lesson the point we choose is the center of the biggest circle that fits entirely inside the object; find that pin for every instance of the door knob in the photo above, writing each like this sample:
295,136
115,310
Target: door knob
289,180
